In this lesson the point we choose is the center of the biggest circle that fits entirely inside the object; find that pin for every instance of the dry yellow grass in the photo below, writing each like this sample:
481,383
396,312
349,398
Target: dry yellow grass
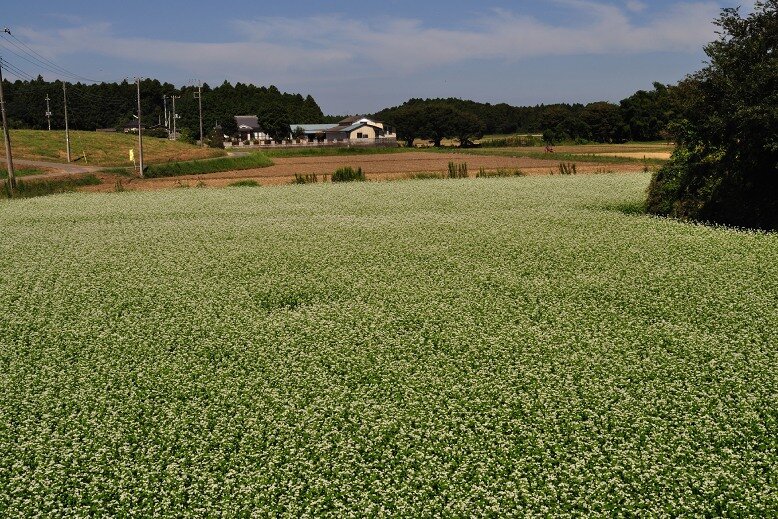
101,149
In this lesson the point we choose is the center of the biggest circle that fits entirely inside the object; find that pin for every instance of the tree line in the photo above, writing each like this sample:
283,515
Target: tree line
644,116
112,105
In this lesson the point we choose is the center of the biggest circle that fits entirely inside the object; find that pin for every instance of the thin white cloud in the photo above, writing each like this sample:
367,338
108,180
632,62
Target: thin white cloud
636,6
283,49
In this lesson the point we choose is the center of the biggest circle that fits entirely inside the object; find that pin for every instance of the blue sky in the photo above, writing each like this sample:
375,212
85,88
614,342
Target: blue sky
364,56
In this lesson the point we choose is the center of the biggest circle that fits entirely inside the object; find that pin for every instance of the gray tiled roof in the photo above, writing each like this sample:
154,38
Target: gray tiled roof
247,120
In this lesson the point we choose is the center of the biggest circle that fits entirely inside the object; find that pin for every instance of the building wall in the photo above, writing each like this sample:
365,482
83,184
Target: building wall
367,132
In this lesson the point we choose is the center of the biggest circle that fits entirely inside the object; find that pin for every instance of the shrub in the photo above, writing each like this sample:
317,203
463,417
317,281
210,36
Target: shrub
500,172
348,174
305,178
159,133
424,176
244,183
457,170
567,168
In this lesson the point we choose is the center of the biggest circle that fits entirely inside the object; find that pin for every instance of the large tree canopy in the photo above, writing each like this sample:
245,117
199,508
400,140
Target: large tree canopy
274,120
725,168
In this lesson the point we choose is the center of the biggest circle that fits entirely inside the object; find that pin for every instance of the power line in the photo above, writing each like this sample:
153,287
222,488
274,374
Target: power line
45,59
16,71
40,60
31,62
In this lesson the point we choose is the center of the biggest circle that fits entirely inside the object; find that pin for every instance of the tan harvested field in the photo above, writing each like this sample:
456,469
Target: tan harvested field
392,166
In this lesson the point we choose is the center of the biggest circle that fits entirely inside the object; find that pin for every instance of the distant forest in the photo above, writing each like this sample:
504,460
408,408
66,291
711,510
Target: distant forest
644,116
112,105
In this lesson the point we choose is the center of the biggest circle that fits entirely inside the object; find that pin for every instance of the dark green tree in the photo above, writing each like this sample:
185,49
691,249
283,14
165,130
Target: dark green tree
407,122
274,121
466,128
725,168
438,124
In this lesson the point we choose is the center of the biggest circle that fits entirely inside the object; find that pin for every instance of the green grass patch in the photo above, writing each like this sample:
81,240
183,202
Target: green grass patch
22,172
500,172
556,156
244,183
426,175
177,169
507,348
329,151
41,187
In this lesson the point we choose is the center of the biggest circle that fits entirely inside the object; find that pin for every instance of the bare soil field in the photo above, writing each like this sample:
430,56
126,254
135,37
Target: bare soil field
376,167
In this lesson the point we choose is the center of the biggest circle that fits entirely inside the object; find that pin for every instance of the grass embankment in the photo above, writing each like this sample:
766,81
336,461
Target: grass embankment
22,172
41,187
510,347
177,169
101,149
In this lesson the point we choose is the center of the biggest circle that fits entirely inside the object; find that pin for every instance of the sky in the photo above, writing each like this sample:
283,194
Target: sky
360,57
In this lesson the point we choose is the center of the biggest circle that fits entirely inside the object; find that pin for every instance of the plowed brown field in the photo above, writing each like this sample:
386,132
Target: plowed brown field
376,167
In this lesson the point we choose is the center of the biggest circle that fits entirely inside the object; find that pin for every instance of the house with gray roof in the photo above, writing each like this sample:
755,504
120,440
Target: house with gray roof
356,129
248,128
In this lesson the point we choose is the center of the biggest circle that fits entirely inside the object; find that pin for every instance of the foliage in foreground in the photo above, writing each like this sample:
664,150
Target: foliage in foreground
348,174
725,168
43,187
504,347
198,167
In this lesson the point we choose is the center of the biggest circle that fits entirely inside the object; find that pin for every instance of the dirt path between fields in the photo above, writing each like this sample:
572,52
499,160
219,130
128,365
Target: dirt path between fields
387,166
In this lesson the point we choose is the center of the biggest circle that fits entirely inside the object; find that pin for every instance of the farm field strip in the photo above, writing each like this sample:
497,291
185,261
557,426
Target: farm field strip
391,166
514,346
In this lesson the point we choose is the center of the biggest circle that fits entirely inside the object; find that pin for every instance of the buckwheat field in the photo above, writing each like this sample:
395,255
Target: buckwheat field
515,346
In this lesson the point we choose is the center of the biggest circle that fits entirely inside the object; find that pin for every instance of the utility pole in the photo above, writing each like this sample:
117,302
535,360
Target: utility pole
174,115
8,159
67,131
199,96
167,123
48,111
140,133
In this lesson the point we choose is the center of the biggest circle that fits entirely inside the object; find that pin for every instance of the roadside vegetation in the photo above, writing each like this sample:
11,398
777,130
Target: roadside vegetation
22,172
177,169
43,187
329,151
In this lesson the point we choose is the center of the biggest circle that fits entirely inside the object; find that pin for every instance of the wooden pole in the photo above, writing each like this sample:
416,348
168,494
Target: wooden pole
8,158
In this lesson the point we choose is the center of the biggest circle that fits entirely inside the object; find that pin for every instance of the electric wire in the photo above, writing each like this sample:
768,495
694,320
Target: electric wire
28,60
16,71
30,51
